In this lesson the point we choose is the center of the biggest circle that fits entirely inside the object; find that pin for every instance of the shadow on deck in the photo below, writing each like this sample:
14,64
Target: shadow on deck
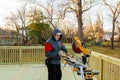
32,72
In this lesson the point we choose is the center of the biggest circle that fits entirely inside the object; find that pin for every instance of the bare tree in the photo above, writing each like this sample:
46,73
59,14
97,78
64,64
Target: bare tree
18,20
51,13
115,10
92,29
22,18
79,7
99,29
13,21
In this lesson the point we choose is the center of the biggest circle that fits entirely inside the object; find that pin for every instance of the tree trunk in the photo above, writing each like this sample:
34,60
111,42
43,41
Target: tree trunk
79,17
94,37
118,35
119,38
119,41
113,31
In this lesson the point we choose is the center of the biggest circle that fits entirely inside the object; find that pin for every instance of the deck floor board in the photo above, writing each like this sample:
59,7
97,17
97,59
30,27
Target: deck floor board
32,72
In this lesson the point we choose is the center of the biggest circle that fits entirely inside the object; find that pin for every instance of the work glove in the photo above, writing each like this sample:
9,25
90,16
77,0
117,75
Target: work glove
61,53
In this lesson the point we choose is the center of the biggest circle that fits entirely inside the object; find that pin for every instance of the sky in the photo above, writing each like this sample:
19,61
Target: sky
5,8
11,6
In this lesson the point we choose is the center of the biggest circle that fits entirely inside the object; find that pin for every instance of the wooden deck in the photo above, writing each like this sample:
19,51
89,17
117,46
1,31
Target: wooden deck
27,61
32,72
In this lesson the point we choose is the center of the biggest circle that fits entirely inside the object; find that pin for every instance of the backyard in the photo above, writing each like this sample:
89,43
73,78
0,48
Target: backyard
103,49
106,50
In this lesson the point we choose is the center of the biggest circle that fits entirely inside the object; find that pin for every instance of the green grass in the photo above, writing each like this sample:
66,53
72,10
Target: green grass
106,50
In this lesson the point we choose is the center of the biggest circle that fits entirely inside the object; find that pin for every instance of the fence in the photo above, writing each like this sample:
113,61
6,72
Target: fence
22,54
108,67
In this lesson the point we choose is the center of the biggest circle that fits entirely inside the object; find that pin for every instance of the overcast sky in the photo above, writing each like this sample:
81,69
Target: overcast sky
7,6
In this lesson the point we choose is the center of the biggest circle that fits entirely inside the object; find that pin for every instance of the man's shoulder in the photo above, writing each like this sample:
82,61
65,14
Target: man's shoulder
49,40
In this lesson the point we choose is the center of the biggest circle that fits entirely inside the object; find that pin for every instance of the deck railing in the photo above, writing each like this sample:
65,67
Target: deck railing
22,54
108,67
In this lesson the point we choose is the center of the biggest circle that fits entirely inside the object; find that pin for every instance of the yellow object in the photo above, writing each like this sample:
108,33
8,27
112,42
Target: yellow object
84,50
90,76
75,69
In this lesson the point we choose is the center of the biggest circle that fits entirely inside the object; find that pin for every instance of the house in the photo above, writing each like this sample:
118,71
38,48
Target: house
107,36
8,37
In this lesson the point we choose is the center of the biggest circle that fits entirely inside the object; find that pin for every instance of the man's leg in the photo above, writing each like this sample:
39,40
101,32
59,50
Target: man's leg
58,72
51,71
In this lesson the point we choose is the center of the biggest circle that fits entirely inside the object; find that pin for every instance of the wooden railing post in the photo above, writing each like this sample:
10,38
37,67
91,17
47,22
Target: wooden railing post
101,68
20,55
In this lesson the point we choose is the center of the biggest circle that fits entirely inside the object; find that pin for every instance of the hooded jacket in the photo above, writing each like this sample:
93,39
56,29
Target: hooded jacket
52,47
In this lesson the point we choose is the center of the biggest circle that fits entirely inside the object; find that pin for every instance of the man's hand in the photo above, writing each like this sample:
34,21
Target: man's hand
66,55
61,53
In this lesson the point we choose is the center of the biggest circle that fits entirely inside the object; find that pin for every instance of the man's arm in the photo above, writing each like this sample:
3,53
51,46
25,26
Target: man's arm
49,52
64,49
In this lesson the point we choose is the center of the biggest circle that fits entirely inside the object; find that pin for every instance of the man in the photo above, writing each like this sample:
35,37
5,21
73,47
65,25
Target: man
53,51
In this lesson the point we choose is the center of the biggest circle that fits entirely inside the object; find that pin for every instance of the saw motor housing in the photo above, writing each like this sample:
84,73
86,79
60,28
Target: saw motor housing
79,47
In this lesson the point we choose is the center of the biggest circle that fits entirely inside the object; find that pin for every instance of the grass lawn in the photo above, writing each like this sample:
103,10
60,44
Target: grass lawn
106,50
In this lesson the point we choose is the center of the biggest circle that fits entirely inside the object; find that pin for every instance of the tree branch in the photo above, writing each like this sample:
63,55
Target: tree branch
108,6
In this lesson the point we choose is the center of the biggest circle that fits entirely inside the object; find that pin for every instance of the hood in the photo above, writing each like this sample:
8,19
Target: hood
55,32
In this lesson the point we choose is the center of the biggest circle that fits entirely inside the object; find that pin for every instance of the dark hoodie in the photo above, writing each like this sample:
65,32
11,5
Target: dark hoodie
52,47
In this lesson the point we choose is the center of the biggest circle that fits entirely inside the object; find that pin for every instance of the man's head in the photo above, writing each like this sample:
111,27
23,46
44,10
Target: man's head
57,35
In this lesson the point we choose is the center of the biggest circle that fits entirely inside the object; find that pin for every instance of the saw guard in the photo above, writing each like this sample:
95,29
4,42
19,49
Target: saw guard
78,47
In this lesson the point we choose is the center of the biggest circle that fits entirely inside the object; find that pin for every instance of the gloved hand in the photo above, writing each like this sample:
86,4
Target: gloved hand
62,54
